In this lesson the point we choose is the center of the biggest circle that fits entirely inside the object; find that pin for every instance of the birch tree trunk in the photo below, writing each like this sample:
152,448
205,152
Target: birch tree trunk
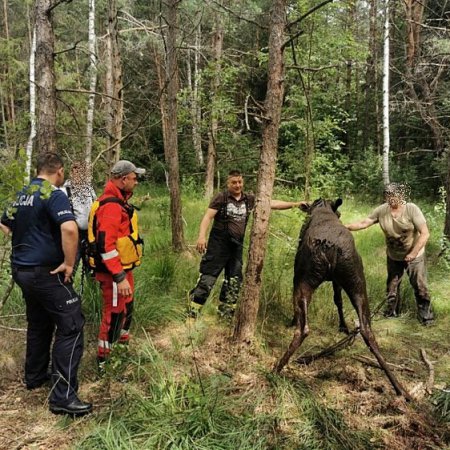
247,312
32,136
92,47
114,87
45,77
217,45
386,143
171,144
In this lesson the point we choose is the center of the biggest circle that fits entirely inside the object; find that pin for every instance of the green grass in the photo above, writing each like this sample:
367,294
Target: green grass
187,387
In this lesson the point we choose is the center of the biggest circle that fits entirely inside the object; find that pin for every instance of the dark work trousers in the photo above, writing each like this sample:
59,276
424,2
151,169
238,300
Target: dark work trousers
223,253
52,307
417,277
81,253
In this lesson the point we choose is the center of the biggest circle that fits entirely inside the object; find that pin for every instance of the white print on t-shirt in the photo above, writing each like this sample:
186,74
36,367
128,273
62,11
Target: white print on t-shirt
65,211
237,213
24,200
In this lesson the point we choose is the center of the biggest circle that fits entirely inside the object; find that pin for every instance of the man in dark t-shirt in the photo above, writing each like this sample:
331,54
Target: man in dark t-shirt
44,246
230,211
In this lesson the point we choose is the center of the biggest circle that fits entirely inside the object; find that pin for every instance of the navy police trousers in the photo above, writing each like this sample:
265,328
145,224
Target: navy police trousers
52,308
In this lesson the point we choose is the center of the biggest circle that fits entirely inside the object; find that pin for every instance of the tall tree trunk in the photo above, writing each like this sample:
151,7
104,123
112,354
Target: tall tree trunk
92,81
171,144
193,79
162,92
9,93
370,128
3,108
414,18
422,88
114,87
217,44
447,202
386,143
45,77
247,312
349,137
32,136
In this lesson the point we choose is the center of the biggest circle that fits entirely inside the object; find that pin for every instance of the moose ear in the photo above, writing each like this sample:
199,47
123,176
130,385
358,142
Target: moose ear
336,204
305,207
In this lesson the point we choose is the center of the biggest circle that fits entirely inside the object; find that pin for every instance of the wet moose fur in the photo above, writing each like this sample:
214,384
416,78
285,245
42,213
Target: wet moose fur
327,252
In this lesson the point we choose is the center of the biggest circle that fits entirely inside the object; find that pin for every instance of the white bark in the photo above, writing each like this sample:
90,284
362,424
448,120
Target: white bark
92,82
386,143
32,80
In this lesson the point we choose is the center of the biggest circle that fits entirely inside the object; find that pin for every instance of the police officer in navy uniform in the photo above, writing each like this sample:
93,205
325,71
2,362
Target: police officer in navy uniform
44,247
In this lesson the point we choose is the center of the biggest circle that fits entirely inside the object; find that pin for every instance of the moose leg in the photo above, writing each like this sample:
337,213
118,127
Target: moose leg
362,308
337,297
302,297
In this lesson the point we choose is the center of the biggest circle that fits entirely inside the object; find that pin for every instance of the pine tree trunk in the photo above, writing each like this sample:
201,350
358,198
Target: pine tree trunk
171,145
370,127
114,87
247,312
217,44
45,77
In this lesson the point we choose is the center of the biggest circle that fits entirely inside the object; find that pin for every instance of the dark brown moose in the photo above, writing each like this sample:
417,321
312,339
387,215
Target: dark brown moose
327,252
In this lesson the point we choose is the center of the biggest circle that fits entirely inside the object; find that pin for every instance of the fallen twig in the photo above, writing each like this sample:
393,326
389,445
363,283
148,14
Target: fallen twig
12,329
374,363
430,382
345,342
11,315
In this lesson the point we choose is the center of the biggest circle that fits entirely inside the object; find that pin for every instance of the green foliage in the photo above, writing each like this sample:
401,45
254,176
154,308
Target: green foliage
441,404
12,174
366,172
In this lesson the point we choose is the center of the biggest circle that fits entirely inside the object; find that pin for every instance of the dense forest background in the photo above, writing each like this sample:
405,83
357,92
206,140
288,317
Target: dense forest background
331,136
309,97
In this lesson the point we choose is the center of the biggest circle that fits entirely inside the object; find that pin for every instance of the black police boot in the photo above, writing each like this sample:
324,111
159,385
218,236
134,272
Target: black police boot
75,408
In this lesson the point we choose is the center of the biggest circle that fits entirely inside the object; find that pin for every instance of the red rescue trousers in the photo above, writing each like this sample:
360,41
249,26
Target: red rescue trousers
116,314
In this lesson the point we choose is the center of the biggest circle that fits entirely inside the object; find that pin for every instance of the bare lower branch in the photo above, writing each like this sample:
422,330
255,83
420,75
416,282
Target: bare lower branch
373,363
428,363
343,343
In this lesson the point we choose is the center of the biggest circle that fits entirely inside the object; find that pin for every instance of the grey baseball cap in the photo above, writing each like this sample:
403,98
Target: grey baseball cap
124,167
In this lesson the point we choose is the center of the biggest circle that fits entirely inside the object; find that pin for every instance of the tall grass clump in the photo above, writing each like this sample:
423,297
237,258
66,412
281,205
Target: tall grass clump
441,404
174,411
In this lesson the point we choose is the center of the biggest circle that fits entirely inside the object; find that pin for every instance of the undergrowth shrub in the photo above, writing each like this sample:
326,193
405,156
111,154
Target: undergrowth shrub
441,404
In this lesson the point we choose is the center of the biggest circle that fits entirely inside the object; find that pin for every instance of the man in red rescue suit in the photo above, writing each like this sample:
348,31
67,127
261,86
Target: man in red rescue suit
120,250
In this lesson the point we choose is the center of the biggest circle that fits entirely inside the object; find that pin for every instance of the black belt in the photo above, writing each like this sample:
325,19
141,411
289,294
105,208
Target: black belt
35,268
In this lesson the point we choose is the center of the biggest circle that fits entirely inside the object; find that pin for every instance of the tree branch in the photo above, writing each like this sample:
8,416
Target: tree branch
57,4
430,382
67,49
299,33
229,10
